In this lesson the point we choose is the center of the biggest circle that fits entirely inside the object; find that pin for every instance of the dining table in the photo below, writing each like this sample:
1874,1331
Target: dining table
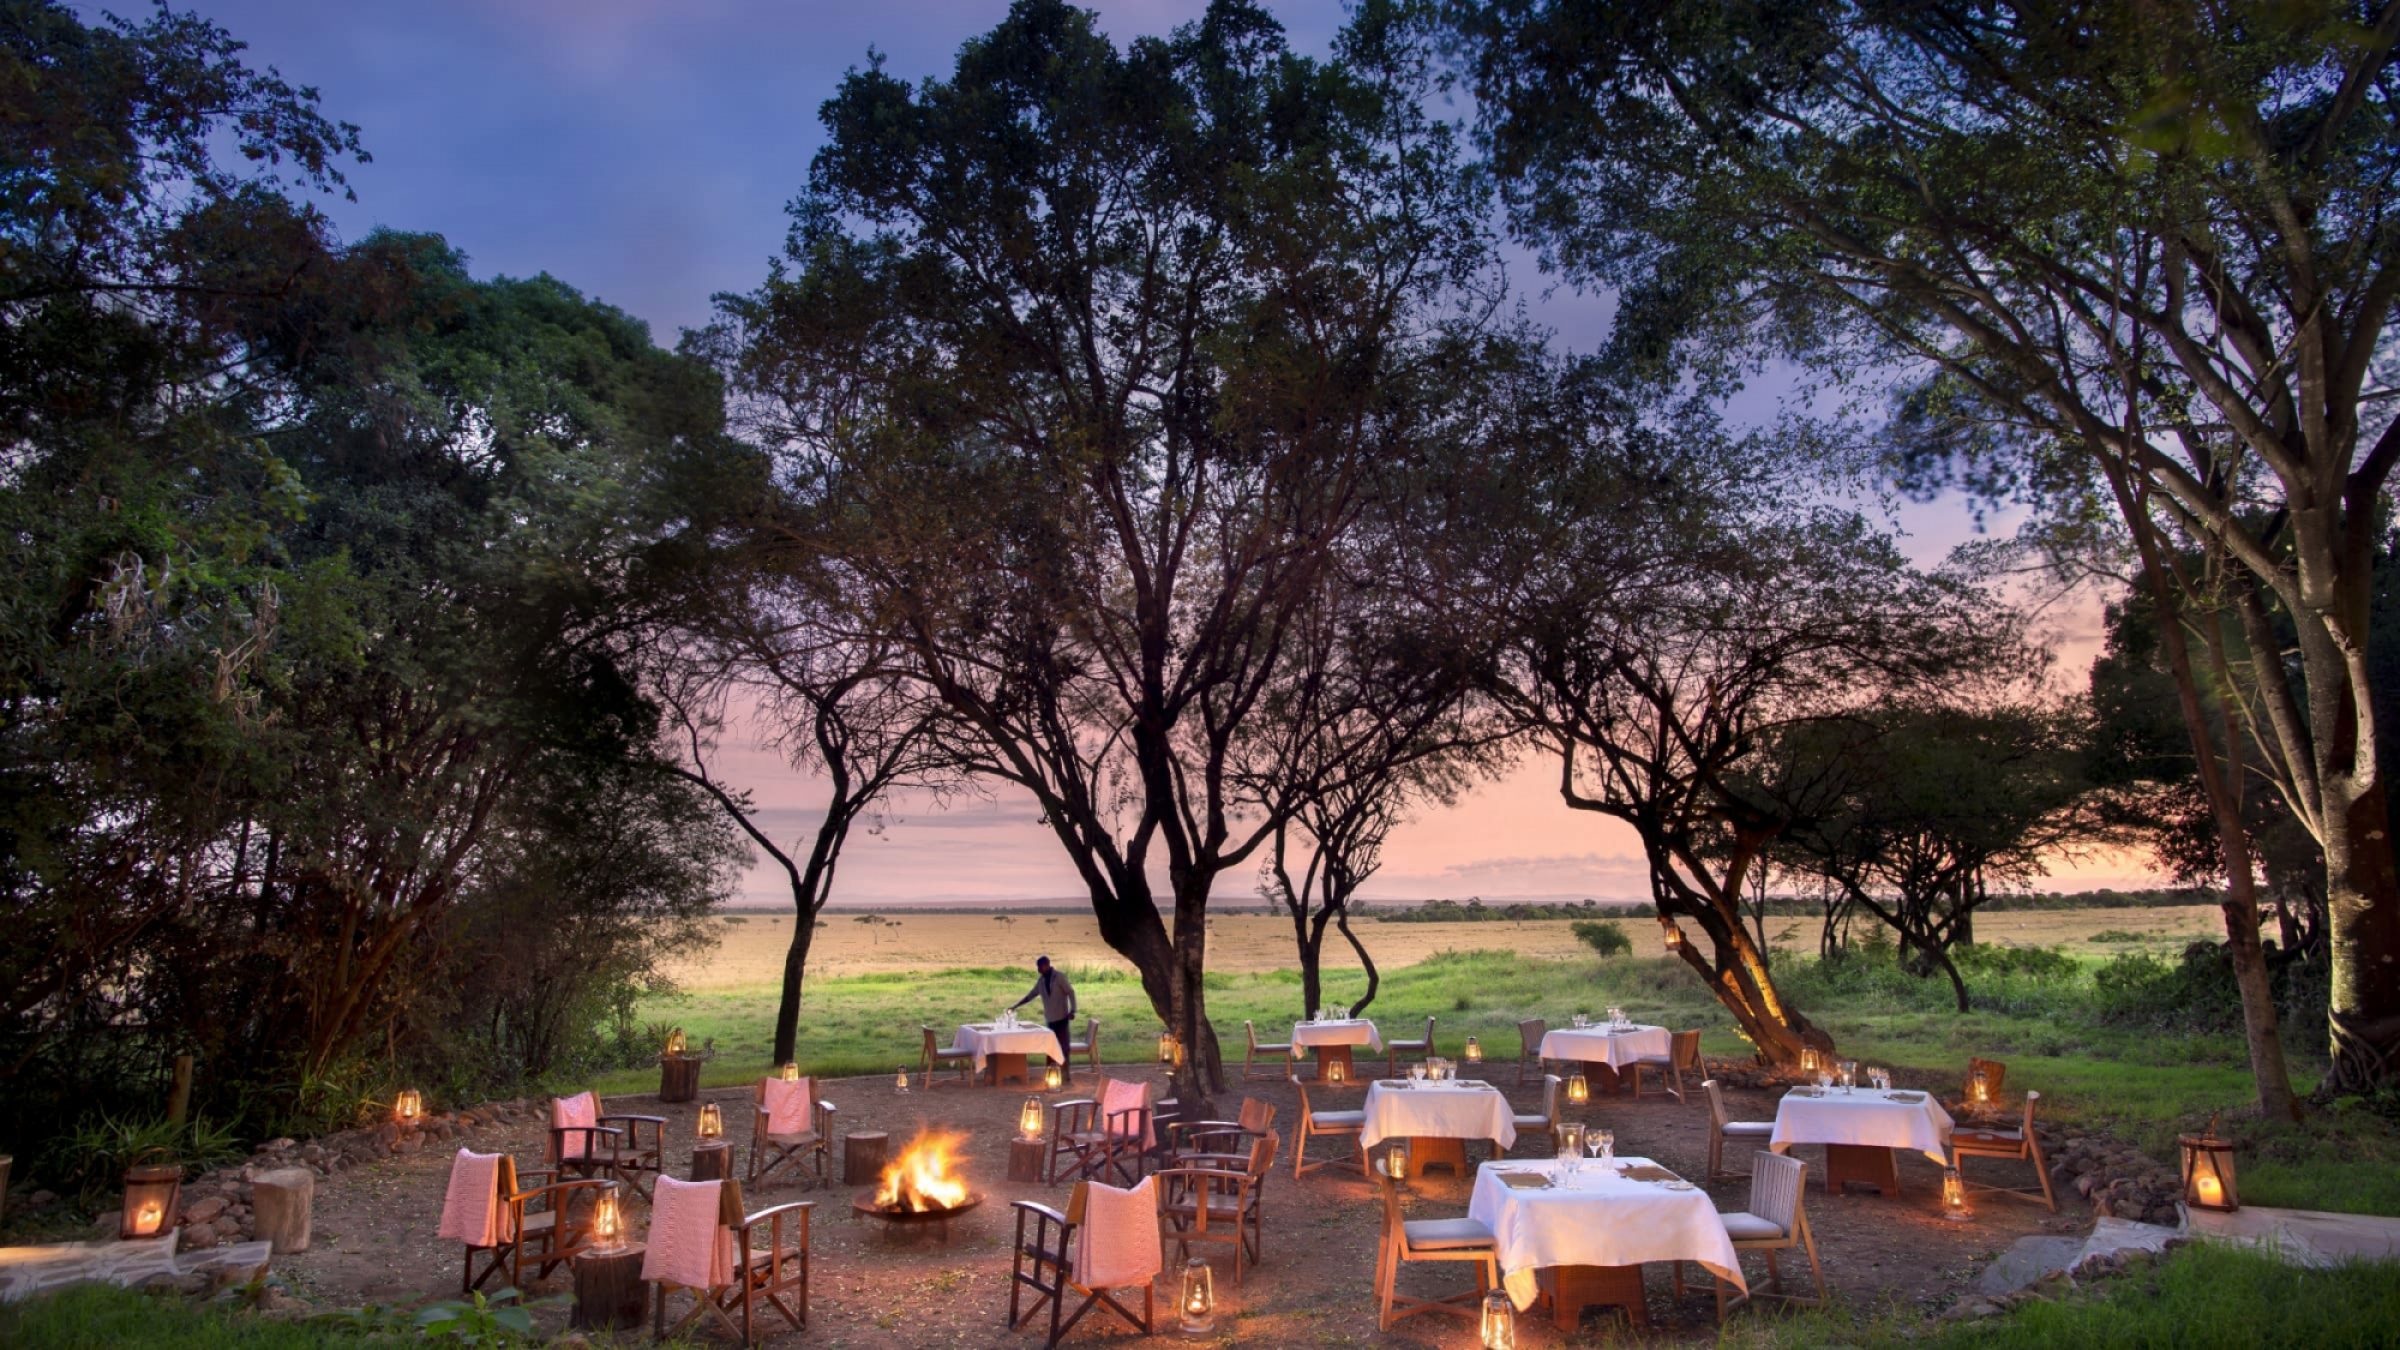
1332,1039
1437,1119
1863,1130
1005,1049
1587,1233
1603,1050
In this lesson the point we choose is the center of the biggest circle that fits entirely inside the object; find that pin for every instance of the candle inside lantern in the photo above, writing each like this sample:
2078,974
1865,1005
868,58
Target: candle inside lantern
608,1221
1674,934
1579,1089
1954,1194
1498,1329
1810,1062
1395,1162
1198,1304
1979,1087
1029,1119
2210,1190
712,1121
146,1219
900,1081
675,1041
1170,1051
1337,1071
790,1072
1474,1051
409,1105
1054,1077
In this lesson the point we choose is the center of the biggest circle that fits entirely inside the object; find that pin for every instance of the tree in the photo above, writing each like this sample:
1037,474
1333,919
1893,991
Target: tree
1091,357
2128,258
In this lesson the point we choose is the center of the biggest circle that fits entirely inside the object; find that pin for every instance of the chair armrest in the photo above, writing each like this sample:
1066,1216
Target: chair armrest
542,1176
1068,1102
775,1211
659,1121
1238,1162
1037,1208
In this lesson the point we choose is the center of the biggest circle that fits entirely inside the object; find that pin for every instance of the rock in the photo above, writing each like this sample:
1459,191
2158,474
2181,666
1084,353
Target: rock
207,1210
42,1199
200,1237
1970,1309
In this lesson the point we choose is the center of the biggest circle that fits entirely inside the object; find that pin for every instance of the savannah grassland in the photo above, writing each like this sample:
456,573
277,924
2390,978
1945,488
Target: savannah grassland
872,985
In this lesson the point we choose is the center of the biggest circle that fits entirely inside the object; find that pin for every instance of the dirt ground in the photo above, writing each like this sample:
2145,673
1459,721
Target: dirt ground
375,1224
753,945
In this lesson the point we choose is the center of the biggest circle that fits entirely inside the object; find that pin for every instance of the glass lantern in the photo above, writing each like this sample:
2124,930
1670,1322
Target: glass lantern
1337,1071
1029,1119
1395,1161
1579,1089
712,1121
1170,1051
1954,1196
2208,1170
608,1220
1498,1327
1674,935
900,1081
675,1042
1054,1077
1473,1054
409,1106
1196,1305
789,1072
1810,1060
153,1197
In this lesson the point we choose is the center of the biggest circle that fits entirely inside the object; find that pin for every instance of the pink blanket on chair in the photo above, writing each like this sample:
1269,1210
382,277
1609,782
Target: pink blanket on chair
1118,1244
1123,1096
689,1244
581,1109
786,1105
471,1208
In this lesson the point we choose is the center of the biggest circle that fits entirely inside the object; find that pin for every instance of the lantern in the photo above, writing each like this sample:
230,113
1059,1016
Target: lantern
1579,1089
1054,1077
900,1081
1029,1119
1674,934
675,1042
153,1197
1979,1087
790,1072
712,1121
408,1106
1474,1051
1954,1196
2208,1170
1810,1060
1499,1328
1196,1306
1395,1161
1337,1071
1170,1050
608,1220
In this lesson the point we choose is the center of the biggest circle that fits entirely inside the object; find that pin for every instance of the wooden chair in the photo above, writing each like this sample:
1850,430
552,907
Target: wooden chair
1088,1047
1529,1041
957,1057
2021,1143
1045,1263
1682,1057
1547,1122
1721,1129
764,1273
808,1150
1217,1198
1102,1143
1395,1049
538,1223
1777,1220
1313,1123
1406,1240
616,1147
1221,1136
1282,1050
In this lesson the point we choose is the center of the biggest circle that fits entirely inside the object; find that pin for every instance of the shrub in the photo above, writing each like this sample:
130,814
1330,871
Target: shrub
1605,936
2040,963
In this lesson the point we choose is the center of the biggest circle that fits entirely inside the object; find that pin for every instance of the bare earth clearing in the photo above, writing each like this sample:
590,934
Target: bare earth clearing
375,1224
753,946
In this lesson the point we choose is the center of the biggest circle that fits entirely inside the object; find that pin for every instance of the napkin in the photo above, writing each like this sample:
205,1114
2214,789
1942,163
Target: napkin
1910,1097
1649,1172
1525,1181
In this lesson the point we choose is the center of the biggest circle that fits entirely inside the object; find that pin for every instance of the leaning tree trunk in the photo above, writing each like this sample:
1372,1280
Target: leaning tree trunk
1734,968
1341,920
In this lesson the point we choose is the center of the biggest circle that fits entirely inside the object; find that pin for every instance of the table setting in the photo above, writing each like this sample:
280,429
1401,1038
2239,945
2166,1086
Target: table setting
1010,1041
1421,1107
1597,1212
1860,1126
1612,1043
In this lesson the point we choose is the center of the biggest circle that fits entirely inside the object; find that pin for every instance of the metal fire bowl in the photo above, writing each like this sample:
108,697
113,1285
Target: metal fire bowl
864,1204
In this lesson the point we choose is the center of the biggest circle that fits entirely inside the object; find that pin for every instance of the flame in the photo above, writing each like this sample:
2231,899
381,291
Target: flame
920,1178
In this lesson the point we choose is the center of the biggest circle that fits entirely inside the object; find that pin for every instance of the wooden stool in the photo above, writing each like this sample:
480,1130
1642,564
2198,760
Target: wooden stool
678,1077
282,1200
610,1294
712,1161
1866,1164
1025,1158
1575,1288
863,1157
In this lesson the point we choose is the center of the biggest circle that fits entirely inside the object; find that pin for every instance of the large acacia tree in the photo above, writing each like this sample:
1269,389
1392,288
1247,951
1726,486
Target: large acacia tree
1082,360
2137,255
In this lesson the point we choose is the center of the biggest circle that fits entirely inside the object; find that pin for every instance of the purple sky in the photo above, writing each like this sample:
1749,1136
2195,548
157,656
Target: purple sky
643,152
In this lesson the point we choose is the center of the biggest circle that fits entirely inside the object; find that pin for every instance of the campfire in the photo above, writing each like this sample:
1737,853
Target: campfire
921,1179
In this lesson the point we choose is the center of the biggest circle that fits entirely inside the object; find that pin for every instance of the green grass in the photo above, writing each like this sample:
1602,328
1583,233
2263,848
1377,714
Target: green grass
96,1317
2201,1298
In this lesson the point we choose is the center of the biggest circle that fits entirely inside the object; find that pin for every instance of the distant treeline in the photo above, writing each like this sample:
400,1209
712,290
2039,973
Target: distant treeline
1475,910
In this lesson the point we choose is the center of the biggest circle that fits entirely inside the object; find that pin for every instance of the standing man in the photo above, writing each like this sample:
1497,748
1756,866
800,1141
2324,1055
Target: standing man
1058,1006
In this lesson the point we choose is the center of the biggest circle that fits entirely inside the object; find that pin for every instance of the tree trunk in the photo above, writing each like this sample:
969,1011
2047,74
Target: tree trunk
2363,939
1366,962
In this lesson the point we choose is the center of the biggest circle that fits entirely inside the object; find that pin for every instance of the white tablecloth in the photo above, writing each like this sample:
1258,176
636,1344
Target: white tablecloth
1863,1116
1351,1031
1452,1110
1599,1045
985,1039
1600,1219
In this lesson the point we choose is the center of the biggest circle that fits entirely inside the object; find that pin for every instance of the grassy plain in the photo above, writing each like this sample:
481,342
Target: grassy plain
872,985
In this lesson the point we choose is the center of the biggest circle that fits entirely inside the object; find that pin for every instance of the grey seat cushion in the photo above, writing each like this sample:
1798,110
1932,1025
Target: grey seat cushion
1750,1228
1530,1122
1447,1235
1759,1129
1358,1118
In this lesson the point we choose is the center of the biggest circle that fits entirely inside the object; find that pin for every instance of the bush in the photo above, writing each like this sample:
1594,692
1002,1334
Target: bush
1605,936
2039,963
91,1158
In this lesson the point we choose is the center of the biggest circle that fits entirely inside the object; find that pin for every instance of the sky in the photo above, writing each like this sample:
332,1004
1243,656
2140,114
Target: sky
643,153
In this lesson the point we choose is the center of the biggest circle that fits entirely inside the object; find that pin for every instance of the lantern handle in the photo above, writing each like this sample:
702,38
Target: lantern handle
142,1156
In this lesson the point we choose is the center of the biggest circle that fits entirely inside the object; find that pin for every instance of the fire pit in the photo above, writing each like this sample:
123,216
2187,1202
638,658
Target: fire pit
920,1192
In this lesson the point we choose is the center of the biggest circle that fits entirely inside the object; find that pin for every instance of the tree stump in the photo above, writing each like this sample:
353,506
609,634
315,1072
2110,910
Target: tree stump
712,1161
863,1157
678,1077
1025,1158
280,1204
610,1294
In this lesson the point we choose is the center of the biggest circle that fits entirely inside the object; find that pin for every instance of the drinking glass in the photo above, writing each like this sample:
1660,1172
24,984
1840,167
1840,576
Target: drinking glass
1581,1021
1824,1080
1416,1073
1570,1139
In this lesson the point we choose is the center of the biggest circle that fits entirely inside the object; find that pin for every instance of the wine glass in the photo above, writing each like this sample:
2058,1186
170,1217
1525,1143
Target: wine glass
1416,1073
1824,1081
1602,1145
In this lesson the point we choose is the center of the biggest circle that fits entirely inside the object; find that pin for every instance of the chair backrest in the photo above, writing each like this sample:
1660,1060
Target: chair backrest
2030,1099
1391,1203
1684,1049
1775,1190
1076,1200
928,1040
1250,1030
1529,1035
1262,1155
1716,1106
1551,1083
1429,1035
1306,1115
1091,1031
1256,1116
